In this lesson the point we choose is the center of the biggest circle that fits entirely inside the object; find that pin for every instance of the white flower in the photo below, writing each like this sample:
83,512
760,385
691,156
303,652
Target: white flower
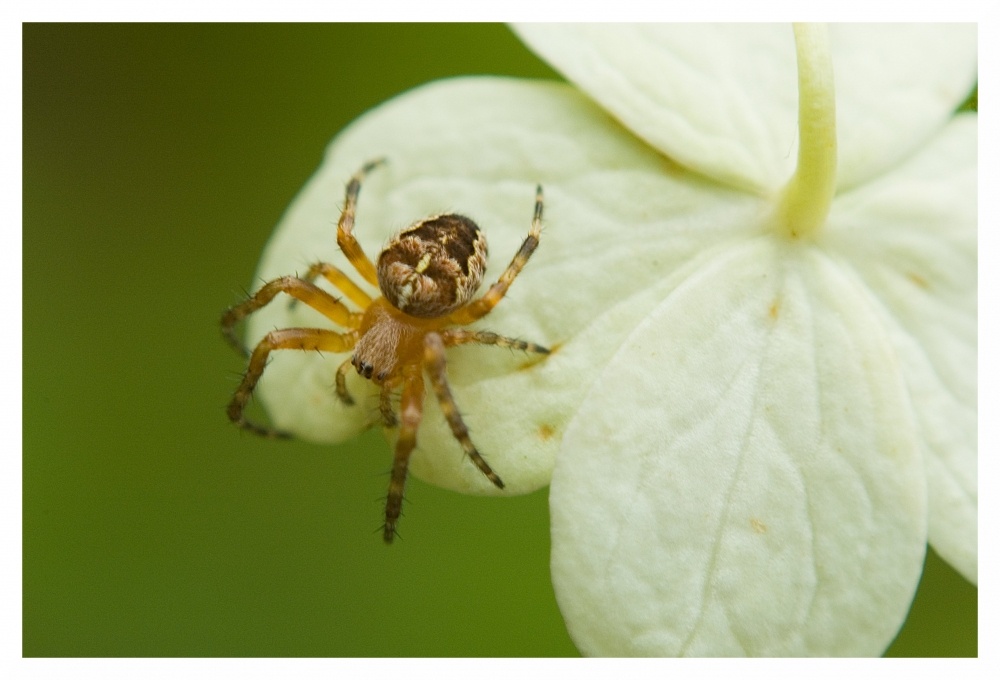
764,301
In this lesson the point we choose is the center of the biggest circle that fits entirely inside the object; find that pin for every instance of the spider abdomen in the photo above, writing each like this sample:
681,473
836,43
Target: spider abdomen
434,266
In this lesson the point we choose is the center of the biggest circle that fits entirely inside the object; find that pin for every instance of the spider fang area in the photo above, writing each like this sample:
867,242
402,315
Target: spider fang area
427,276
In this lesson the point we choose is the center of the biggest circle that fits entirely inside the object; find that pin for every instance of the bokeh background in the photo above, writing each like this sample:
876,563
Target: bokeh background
156,161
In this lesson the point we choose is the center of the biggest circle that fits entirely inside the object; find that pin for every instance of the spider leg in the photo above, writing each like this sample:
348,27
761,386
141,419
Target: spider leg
340,280
385,406
460,336
345,227
309,293
479,308
411,413
290,338
436,365
341,380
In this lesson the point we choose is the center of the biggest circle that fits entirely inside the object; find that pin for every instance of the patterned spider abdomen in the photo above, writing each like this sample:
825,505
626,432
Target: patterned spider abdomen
434,266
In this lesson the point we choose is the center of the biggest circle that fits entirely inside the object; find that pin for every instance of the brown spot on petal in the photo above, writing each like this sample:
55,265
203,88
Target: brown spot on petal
545,431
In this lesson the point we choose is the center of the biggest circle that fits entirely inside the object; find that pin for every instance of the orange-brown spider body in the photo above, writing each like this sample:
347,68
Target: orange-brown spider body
427,274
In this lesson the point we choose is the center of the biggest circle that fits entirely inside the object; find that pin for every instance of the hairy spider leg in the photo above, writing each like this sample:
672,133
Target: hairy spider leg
345,226
479,308
339,280
385,405
309,293
411,411
436,365
459,336
318,339
341,381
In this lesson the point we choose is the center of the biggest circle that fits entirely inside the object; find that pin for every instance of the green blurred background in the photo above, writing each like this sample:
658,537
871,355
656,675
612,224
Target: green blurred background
157,160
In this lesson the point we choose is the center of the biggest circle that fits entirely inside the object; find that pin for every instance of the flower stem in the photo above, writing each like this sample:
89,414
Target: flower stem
805,201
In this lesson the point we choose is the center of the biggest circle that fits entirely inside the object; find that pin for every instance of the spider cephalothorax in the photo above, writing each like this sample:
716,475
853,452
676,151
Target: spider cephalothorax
427,275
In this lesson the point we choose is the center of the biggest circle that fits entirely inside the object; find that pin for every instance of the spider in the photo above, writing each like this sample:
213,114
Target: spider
427,275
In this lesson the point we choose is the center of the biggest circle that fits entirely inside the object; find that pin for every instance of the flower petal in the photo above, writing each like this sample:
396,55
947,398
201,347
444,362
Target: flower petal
479,146
743,477
721,99
911,236
897,86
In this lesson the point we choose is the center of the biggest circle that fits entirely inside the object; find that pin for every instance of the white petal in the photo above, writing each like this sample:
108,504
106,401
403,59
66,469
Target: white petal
897,85
743,478
912,238
479,146
721,99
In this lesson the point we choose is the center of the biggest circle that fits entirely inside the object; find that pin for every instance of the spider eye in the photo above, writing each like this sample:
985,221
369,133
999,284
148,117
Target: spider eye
434,266
365,369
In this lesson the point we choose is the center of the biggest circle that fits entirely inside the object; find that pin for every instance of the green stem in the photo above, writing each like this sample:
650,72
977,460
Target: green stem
805,201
